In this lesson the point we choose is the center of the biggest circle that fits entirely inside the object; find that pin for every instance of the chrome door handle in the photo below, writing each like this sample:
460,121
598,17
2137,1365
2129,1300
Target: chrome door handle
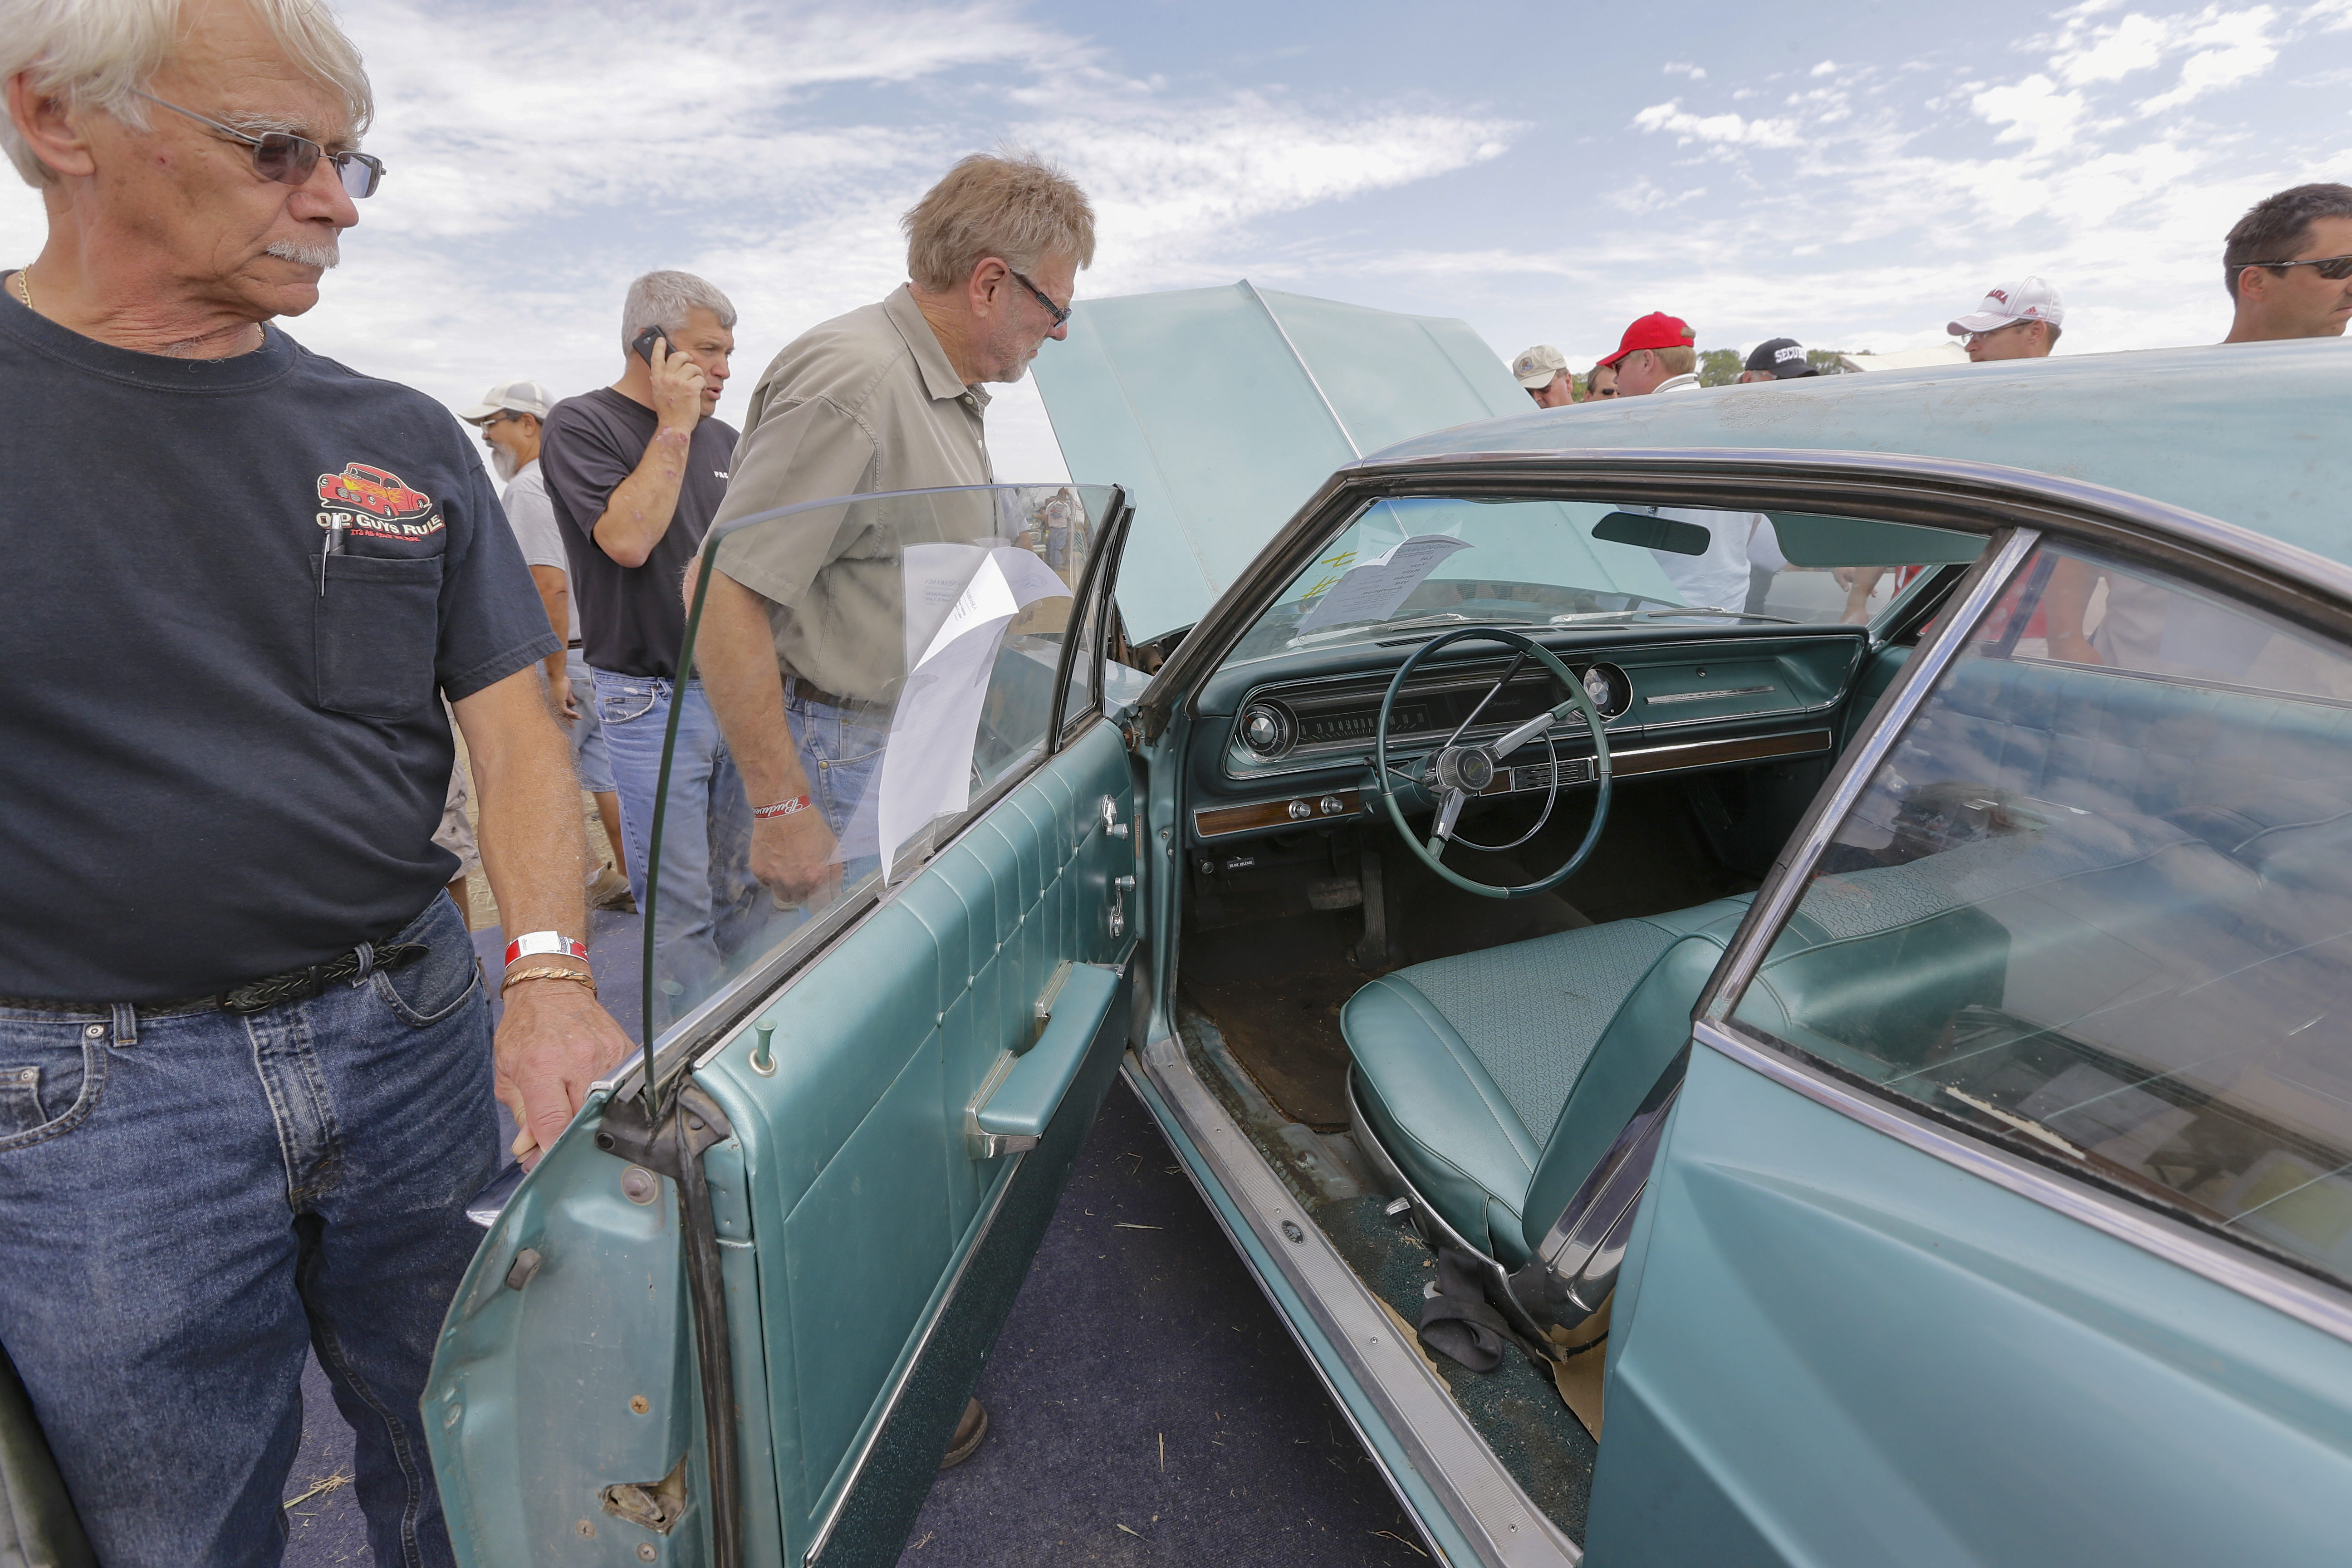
1112,825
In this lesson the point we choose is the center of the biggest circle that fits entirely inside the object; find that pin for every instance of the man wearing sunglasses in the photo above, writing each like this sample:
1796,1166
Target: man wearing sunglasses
245,1062
802,657
2288,266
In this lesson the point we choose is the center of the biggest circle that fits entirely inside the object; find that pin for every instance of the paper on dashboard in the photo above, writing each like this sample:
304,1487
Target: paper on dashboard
1373,591
927,761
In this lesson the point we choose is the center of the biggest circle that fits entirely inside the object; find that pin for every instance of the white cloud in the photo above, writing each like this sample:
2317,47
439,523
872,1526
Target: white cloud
2110,54
2034,111
2238,49
1721,130
1684,68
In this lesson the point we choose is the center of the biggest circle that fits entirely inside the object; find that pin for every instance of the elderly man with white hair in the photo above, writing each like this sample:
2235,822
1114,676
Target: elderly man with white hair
245,1060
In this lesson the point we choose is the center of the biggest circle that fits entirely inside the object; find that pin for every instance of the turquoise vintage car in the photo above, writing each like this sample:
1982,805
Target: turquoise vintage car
1822,914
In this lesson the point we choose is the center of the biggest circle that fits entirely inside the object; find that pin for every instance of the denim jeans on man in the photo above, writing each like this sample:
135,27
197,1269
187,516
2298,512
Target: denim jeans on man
190,1200
841,751
705,904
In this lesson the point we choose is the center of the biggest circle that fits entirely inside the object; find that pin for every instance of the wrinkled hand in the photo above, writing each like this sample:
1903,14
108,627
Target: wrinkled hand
796,856
552,1042
677,384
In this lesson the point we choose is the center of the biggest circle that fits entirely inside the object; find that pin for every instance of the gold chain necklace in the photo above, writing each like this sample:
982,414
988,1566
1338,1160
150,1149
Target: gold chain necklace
25,287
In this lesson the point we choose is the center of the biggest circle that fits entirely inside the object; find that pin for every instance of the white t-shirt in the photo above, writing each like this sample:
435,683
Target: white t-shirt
532,518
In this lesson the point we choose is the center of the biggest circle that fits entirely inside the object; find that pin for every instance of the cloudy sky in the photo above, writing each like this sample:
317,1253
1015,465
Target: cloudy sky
1849,173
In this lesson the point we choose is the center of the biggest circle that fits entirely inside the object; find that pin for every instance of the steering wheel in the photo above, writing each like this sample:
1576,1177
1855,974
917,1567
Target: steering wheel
1461,770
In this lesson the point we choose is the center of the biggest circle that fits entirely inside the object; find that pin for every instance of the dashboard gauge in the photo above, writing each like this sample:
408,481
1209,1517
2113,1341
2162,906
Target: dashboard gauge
1610,690
1267,729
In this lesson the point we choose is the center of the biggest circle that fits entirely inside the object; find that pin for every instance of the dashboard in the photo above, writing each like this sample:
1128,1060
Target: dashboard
1283,747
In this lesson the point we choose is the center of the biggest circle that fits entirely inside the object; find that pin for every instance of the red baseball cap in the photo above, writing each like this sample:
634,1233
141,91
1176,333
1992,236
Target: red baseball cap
1656,330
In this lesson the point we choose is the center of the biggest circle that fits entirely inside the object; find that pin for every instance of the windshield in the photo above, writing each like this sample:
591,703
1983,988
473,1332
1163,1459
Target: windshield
1434,563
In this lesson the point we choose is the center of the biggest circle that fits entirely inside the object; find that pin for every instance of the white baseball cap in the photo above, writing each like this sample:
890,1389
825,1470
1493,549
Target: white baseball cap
511,397
2027,299
1536,367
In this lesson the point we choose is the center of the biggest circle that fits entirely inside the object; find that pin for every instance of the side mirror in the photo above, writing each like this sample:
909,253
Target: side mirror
1670,534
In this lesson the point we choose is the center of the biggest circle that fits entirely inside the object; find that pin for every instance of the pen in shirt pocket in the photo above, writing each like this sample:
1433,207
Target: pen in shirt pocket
333,546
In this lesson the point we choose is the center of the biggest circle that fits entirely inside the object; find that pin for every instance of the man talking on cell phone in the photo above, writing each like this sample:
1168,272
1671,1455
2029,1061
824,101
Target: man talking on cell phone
635,472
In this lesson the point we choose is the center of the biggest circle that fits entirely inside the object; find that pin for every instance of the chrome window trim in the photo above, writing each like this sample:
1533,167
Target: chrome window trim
1902,700
2304,1298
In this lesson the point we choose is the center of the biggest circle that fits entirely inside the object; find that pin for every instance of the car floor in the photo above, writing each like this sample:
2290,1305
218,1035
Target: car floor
1146,1405
1270,991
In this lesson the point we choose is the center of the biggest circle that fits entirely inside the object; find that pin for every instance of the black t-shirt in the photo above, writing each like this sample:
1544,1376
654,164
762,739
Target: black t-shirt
210,770
632,618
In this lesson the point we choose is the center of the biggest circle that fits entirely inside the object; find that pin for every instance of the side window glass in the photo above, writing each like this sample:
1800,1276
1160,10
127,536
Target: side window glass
2097,905
1080,697
867,670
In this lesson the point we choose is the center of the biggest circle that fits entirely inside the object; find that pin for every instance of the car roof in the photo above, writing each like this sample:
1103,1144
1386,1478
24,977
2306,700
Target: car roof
2252,433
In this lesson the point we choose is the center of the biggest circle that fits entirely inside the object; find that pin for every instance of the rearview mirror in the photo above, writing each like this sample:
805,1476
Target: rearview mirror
1670,534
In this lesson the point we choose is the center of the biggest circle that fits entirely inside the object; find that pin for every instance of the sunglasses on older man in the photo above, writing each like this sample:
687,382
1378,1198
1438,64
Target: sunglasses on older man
288,159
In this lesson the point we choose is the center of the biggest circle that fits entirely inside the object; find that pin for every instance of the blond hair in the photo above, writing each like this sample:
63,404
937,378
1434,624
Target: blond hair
1018,208
1677,359
98,53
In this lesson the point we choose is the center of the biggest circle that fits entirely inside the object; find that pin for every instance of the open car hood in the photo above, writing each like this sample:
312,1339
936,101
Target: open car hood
1222,410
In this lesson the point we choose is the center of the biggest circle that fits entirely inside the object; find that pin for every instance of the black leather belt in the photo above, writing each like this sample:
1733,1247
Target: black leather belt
255,996
797,686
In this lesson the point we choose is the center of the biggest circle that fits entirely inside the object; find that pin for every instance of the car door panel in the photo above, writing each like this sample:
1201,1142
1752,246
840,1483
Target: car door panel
863,1248
867,1244
853,1151
1842,1349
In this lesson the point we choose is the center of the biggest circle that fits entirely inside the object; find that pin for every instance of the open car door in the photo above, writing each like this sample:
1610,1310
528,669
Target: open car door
2006,1213
735,1313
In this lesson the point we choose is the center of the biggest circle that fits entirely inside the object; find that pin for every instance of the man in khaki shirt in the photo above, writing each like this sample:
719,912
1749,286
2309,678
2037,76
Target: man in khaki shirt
802,645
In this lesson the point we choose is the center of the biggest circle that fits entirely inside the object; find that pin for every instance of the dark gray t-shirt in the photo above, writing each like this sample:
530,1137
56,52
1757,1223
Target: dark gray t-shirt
210,770
632,618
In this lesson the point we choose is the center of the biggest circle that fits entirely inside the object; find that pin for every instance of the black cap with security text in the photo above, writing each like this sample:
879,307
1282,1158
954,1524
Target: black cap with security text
1783,358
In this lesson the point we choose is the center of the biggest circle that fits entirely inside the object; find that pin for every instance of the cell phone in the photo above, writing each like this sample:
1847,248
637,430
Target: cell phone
643,345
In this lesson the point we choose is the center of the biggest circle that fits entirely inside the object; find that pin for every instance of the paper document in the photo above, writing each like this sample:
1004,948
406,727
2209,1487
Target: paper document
927,763
1372,591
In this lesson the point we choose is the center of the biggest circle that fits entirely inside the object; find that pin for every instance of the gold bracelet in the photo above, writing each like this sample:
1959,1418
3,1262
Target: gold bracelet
544,973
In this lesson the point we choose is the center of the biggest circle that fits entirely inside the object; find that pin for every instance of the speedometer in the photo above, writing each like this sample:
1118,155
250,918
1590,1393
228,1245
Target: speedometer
1611,692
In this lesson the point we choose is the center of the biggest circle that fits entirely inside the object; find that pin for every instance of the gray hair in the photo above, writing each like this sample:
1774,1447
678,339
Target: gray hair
663,299
96,53
1017,207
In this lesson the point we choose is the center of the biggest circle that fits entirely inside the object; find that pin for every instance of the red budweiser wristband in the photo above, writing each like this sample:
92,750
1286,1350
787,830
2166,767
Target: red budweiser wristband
799,803
532,943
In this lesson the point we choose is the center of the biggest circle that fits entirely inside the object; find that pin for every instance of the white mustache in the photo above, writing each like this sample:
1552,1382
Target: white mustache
321,256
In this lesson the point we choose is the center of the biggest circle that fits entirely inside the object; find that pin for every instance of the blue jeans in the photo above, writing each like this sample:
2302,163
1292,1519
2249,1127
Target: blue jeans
707,901
189,1200
587,736
841,751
